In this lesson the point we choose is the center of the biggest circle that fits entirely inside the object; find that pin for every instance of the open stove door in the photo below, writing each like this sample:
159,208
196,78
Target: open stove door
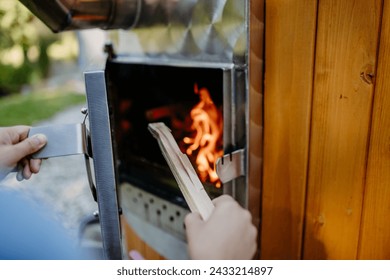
103,159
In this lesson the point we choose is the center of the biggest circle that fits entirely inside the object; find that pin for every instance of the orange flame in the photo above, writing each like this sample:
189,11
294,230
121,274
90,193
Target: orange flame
207,124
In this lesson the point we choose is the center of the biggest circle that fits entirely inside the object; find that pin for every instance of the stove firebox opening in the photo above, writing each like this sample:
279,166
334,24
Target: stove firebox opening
189,100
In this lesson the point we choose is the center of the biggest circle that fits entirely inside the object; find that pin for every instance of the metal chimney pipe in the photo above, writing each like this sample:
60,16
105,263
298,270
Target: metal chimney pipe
62,15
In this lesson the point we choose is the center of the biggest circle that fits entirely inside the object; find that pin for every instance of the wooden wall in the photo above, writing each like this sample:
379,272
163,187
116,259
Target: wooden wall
326,170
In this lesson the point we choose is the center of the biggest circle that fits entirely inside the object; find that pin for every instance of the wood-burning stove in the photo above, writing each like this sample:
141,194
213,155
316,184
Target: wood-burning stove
181,62
176,94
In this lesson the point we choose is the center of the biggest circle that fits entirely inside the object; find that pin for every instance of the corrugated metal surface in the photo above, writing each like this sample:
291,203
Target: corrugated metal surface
203,31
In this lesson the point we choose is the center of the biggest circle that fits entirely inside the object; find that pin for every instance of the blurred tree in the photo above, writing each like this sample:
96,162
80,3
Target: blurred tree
23,46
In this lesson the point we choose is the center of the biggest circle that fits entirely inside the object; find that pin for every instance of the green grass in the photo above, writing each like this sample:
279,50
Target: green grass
28,109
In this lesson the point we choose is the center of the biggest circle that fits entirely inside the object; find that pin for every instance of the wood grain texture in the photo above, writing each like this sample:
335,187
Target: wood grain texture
289,58
375,234
347,39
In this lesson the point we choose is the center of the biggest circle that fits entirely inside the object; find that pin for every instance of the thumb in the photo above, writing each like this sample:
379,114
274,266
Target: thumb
29,146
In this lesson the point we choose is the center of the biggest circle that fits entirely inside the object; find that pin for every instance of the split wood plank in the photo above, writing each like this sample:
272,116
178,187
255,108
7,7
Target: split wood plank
181,167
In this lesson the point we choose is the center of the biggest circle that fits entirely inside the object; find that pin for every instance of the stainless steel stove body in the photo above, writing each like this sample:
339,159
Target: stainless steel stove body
165,52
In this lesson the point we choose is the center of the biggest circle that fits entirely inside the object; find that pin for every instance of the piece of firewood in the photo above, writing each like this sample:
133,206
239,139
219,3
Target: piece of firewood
183,171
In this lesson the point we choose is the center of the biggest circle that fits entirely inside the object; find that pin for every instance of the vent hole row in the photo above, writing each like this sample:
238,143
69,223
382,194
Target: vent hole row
158,211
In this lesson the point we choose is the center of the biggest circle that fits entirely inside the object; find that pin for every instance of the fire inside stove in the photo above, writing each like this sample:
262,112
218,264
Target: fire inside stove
206,143
188,100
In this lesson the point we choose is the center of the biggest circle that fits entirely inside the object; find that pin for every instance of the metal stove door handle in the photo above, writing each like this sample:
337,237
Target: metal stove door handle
65,140
62,140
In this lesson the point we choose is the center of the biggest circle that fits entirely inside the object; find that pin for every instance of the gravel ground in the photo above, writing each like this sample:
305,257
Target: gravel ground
62,183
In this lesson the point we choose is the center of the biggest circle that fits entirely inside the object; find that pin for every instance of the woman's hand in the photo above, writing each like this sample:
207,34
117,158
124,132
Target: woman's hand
15,149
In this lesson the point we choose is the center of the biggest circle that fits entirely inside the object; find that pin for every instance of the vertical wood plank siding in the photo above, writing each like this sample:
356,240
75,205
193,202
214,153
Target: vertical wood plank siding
347,39
375,236
326,181
289,53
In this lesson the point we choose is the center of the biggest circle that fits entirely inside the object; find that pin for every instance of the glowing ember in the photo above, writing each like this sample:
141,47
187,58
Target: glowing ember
207,124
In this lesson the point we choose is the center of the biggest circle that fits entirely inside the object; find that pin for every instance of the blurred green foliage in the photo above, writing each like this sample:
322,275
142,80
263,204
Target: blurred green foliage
23,47
28,109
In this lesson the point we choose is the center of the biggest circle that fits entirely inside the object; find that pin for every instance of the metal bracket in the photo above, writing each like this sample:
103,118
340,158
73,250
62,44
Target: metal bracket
231,166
